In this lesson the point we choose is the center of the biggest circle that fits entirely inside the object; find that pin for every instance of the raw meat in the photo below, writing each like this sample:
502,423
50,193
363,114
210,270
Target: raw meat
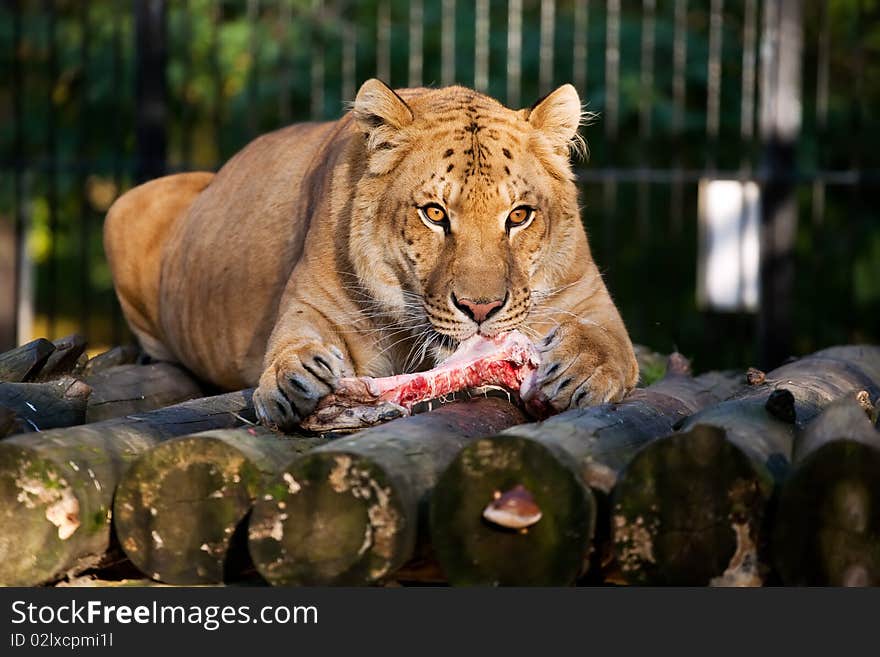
508,361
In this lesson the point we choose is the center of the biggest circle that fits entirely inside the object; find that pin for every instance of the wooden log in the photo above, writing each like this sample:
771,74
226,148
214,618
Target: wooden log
177,508
693,508
24,362
423,569
11,423
354,511
47,405
56,487
125,389
827,528
68,358
94,582
566,464
122,355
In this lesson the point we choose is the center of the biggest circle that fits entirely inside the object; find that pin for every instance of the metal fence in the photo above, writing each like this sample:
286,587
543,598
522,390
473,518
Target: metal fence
97,96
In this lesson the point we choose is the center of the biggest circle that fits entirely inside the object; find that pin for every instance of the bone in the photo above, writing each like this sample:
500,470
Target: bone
508,360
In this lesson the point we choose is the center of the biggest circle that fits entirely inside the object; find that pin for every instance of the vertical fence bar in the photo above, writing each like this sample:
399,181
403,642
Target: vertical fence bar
856,104
747,133
11,331
612,79
645,107
858,211
383,42
679,82
822,60
416,45
481,46
612,67
85,218
679,66
116,86
713,82
447,38
217,76
349,59
52,171
780,121
151,92
647,68
545,63
186,113
747,103
285,18
514,52
316,75
253,88
579,49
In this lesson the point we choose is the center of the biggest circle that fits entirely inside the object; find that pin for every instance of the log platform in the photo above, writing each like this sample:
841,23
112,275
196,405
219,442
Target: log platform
564,464
354,511
177,509
56,487
118,471
695,507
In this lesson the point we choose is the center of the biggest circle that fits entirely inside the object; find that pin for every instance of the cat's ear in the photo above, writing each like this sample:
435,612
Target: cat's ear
382,116
376,106
558,114
557,117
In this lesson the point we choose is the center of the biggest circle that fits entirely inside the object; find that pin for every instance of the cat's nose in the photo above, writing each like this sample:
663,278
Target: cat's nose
478,310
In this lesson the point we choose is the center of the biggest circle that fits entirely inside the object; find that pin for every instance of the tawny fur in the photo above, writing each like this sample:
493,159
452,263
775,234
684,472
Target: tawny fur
306,258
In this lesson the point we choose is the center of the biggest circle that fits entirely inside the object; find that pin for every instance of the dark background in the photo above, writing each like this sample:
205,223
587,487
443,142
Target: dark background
96,96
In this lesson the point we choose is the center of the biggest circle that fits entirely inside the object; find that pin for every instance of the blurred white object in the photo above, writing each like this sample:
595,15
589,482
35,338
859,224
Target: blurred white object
729,242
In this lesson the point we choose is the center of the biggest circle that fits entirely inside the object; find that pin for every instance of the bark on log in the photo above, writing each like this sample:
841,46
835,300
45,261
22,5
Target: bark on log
177,508
24,362
125,389
56,487
47,405
123,355
354,511
566,463
827,529
423,569
693,508
11,423
93,582
68,358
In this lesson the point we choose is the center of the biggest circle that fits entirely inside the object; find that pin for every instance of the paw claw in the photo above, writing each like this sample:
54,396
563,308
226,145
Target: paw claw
576,374
292,385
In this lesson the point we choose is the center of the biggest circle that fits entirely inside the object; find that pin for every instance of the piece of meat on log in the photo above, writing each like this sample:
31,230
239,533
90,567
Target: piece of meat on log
507,361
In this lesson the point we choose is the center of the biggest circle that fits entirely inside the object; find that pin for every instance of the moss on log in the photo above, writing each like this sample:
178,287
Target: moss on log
353,511
47,405
827,529
24,363
125,389
177,508
557,462
693,507
56,487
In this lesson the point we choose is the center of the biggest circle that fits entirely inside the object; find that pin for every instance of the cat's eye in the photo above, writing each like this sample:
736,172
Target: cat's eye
434,215
520,216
